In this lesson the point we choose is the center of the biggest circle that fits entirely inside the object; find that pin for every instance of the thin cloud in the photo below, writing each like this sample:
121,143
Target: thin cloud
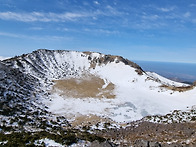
192,5
38,38
102,31
166,9
108,10
145,25
58,17
187,14
150,17
96,2
41,17
11,35
112,10
194,21
36,28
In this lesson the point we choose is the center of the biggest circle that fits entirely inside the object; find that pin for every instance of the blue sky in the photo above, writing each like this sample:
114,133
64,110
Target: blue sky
154,30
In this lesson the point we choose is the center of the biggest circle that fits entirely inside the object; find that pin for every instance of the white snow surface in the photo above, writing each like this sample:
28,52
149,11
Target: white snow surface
48,143
3,58
165,80
136,96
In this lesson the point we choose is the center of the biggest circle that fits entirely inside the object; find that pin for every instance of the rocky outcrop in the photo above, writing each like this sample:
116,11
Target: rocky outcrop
105,59
147,134
102,144
14,84
60,63
144,143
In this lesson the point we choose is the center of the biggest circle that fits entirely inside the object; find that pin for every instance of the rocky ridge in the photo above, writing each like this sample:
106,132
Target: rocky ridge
26,80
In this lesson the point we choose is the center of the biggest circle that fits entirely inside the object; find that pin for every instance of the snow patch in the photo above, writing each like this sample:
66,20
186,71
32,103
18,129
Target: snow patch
3,58
48,143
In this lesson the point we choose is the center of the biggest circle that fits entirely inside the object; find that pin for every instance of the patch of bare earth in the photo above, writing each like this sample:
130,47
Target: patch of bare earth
180,89
85,87
88,120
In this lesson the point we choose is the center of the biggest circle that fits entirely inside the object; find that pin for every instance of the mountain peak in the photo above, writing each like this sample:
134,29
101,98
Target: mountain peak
62,89
41,60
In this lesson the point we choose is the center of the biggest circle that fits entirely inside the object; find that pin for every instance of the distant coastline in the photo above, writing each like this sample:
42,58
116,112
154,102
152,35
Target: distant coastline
180,72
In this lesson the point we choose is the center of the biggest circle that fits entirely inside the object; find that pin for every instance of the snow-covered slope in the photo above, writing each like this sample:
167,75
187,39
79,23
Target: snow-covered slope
3,58
60,64
15,89
133,94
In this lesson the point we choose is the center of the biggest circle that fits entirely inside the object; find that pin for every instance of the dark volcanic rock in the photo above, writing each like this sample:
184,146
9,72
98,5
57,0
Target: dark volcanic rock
102,144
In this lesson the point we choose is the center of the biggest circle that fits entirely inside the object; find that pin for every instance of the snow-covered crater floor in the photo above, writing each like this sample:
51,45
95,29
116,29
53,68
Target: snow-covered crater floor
135,96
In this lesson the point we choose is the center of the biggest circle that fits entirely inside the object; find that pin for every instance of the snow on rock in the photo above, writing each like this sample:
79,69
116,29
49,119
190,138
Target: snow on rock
3,142
48,143
165,80
4,58
177,116
137,94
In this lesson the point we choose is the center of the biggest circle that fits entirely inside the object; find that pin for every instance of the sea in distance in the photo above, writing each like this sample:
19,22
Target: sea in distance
180,72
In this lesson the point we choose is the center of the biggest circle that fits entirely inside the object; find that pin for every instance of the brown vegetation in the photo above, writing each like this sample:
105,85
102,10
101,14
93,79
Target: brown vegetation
180,89
88,86
88,120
